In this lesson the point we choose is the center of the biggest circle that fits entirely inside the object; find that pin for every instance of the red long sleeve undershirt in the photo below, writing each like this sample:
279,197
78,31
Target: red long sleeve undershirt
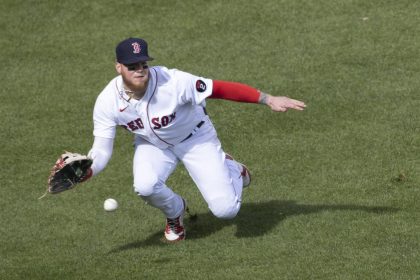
234,91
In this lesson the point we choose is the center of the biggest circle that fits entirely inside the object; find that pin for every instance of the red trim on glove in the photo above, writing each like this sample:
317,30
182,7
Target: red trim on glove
234,91
87,176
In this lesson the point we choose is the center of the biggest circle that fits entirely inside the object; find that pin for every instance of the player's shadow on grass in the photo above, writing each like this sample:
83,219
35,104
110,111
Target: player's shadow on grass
254,219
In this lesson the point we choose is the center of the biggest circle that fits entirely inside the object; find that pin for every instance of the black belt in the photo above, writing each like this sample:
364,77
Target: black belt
194,130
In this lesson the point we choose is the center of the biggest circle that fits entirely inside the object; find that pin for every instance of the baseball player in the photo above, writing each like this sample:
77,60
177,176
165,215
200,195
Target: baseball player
166,111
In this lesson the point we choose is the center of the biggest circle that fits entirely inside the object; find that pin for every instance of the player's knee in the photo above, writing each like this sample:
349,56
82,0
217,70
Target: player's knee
225,208
144,184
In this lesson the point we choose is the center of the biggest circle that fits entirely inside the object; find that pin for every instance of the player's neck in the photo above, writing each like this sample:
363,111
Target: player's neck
135,93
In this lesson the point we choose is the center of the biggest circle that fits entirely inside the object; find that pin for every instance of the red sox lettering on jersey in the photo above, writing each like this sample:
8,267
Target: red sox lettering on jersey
164,116
163,121
158,123
134,125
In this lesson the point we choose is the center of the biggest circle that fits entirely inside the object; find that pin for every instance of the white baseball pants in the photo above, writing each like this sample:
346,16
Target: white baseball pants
218,179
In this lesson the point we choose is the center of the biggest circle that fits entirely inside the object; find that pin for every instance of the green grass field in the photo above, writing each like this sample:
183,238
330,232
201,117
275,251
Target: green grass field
336,188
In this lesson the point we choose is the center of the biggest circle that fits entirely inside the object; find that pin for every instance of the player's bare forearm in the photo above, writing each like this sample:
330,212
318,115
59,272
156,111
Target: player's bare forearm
280,103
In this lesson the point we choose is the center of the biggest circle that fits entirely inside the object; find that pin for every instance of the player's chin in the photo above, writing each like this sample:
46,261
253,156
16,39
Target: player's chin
137,81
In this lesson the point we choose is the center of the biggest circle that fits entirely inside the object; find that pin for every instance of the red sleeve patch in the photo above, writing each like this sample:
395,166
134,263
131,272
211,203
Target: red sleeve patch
200,86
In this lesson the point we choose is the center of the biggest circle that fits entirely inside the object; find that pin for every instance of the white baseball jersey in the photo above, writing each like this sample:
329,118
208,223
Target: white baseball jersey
169,111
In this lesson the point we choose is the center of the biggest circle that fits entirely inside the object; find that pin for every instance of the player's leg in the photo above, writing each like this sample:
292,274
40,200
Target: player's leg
217,176
245,174
151,168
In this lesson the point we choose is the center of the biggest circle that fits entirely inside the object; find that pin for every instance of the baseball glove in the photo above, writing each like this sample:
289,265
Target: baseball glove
69,170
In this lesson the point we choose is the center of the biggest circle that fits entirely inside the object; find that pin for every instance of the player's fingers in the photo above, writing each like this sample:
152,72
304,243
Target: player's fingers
279,109
299,108
298,103
286,107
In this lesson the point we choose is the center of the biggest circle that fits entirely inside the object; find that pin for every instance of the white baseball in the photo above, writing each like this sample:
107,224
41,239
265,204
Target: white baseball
110,204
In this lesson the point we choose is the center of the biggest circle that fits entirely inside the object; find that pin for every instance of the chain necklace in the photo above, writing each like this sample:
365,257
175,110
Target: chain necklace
134,94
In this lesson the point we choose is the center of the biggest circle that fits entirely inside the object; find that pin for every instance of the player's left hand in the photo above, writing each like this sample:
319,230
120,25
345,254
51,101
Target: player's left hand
69,170
283,103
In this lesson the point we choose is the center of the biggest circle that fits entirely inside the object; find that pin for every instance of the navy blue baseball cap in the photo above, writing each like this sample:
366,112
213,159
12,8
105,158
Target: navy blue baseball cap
132,50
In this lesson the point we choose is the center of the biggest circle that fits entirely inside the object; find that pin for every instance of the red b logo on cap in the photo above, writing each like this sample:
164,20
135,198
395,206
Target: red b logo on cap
136,47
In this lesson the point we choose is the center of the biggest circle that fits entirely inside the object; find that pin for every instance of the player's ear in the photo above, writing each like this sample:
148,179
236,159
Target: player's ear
118,67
